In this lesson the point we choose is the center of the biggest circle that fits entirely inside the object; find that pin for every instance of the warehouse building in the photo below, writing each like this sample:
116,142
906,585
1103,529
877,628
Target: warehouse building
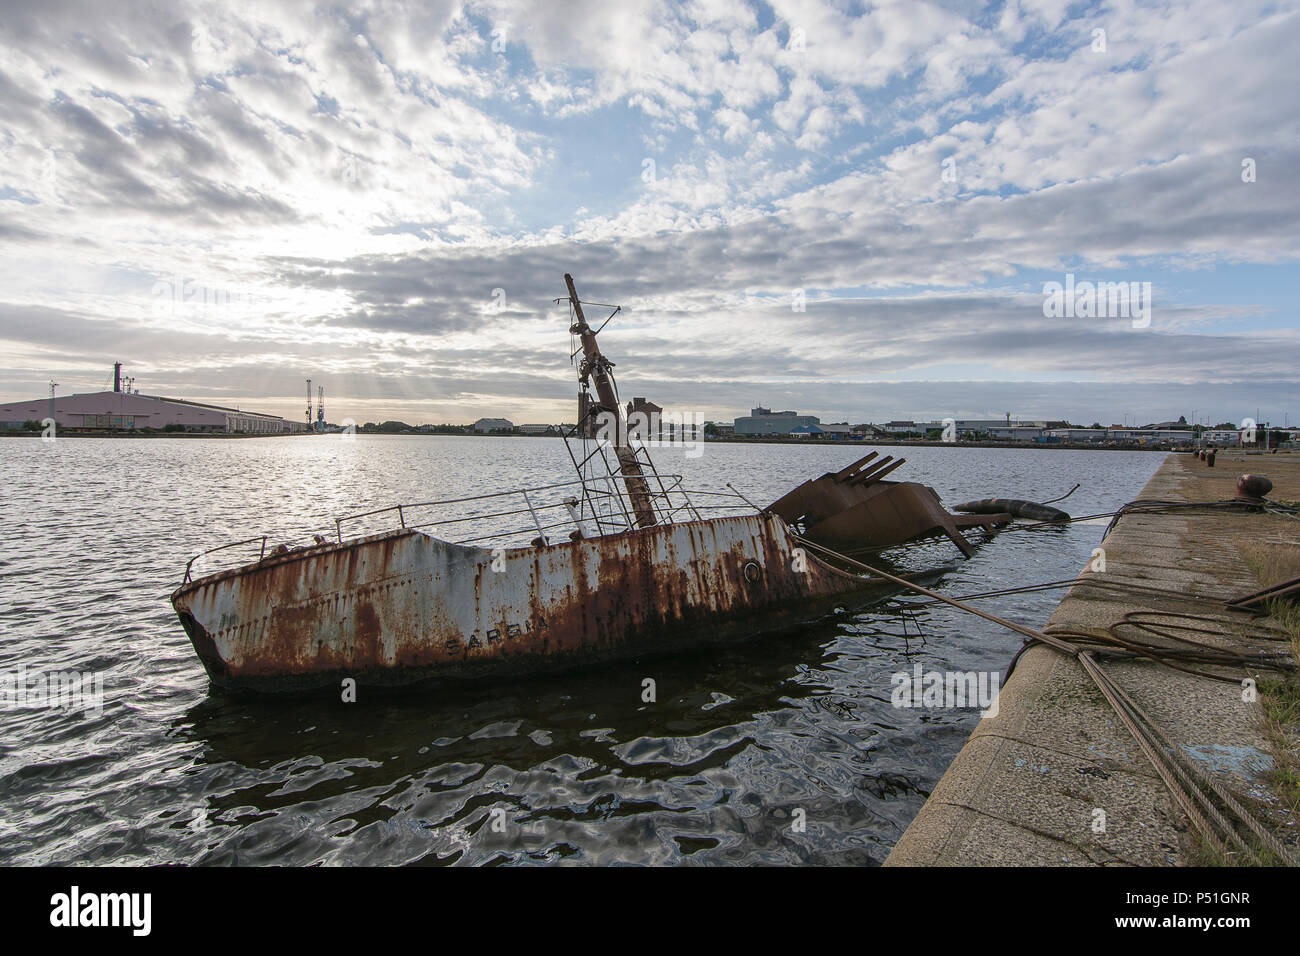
1147,436
1077,436
118,411
1221,436
764,421
1007,432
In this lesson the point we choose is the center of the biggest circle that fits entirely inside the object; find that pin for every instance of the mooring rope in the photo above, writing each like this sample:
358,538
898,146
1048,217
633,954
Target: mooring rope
1110,638
1181,765
1163,756
1091,581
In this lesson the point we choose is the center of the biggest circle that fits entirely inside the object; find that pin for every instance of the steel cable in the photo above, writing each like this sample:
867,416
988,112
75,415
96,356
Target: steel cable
1161,754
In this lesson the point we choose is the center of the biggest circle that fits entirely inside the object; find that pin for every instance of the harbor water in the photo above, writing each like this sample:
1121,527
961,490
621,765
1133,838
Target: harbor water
784,750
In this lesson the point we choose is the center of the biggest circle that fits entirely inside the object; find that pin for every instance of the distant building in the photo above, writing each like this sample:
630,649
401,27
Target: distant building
130,411
647,428
868,431
1009,433
1151,436
536,429
836,429
806,431
1221,436
997,427
764,421
1076,436
905,427
485,426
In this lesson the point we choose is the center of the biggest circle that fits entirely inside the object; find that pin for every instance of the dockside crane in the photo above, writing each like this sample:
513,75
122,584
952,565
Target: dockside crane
309,404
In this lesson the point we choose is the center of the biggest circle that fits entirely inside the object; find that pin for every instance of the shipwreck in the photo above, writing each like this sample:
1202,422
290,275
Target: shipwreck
619,562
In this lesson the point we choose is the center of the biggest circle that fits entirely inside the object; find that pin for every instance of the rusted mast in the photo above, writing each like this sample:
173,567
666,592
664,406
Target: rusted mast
597,367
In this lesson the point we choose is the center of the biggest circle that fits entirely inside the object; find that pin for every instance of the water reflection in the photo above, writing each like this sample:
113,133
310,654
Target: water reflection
564,760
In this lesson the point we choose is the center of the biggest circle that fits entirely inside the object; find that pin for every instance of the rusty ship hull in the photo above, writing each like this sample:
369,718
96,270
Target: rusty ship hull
406,607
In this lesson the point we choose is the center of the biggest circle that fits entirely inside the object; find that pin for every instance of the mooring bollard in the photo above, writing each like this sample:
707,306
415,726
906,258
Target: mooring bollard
1254,487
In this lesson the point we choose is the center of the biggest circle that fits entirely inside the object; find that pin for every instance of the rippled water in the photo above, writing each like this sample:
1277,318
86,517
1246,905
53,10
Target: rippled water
97,533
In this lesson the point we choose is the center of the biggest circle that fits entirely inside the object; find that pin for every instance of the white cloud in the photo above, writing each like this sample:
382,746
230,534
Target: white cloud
370,175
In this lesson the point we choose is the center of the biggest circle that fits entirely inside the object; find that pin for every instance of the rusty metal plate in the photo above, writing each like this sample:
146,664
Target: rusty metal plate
404,606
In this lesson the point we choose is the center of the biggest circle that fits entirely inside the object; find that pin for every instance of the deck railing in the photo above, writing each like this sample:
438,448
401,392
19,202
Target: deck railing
592,507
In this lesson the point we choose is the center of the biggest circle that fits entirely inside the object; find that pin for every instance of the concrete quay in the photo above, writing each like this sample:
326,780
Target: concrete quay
1055,778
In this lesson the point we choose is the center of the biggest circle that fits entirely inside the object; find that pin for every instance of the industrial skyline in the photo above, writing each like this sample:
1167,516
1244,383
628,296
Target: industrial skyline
315,415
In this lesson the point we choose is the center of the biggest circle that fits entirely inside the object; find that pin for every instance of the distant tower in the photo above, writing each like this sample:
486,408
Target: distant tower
117,376
320,408
1008,418
53,386
309,403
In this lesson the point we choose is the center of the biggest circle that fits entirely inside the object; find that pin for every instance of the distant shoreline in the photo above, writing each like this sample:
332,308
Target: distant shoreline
855,443
223,435
929,443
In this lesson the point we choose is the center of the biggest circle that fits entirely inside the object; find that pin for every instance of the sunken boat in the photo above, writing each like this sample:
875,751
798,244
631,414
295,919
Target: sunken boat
857,509
621,564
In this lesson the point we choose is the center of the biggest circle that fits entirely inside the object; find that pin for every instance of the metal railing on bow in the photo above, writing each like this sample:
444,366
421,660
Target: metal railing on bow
590,507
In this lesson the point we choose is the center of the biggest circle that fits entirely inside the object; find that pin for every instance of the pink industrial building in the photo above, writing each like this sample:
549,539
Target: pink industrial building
122,410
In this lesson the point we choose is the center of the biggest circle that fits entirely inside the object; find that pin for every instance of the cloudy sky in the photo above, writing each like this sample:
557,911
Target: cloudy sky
841,208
